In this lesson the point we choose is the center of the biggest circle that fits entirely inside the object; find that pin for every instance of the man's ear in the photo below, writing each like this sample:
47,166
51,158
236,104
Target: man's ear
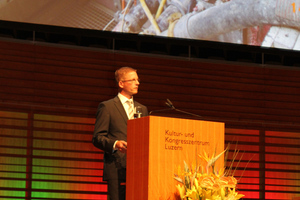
121,84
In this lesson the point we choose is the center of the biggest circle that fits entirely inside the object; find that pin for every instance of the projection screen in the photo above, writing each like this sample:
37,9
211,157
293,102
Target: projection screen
267,23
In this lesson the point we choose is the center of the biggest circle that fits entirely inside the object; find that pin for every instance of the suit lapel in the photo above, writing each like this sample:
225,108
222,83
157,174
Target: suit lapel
120,109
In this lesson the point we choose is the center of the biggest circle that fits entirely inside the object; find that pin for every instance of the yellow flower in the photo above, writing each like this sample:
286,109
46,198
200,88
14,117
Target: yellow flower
209,195
181,190
207,182
210,160
196,184
222,193
192,194
232,195
231,182
205,157
206,194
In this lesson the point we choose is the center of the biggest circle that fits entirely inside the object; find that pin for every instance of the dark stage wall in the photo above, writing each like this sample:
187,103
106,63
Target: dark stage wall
49,94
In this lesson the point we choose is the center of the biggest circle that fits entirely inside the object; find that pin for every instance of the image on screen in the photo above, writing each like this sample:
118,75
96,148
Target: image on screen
266,23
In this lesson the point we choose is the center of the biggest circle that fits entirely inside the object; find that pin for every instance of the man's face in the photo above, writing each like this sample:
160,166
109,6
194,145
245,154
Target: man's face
129,84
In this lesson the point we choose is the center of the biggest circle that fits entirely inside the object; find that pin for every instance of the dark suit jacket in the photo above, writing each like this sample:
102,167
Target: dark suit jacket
111,125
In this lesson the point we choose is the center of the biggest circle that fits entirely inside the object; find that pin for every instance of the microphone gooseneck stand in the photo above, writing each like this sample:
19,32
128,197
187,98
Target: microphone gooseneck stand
172,107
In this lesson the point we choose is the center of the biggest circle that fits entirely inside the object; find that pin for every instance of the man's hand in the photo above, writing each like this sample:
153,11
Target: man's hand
121,146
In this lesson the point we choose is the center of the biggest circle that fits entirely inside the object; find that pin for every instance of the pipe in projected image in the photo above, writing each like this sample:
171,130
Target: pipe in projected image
235,15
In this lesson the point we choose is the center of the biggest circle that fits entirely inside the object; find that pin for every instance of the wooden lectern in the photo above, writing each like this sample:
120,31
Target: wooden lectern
158,145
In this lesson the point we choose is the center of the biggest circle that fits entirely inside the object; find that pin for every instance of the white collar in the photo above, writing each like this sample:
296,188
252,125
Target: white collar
123,99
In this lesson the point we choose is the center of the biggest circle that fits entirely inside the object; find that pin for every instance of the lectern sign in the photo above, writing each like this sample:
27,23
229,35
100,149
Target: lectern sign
158,145
179,140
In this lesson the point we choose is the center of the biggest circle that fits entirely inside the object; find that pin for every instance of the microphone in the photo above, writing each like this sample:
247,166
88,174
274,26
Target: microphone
172,107
170,104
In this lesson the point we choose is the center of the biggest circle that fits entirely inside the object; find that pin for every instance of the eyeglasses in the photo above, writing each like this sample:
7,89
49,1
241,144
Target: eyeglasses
132,80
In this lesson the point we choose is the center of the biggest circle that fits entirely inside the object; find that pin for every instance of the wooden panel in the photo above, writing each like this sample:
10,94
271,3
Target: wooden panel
201,87
42,155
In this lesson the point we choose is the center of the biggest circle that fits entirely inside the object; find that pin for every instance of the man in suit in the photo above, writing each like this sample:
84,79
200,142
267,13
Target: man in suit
110,133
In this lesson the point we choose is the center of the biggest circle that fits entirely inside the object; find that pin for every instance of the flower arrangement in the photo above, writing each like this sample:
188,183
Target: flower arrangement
203,182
